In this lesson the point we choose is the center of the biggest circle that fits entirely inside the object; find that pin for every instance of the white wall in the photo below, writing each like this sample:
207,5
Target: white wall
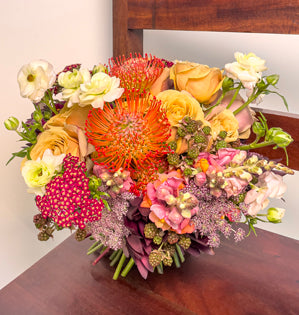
61,32
216,49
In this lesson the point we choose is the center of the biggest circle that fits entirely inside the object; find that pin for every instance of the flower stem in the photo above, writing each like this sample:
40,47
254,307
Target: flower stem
255,145
94,249
176,260
116,258
119,266
93,246
114,254
234,96
160,269
102,255
178,248
128,267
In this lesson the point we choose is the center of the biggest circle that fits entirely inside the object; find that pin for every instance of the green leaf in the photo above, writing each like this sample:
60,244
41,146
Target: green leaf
283,98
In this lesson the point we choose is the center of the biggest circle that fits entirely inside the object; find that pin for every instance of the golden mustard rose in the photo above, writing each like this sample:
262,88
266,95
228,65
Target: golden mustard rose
199,80
58,141
225,120
178,105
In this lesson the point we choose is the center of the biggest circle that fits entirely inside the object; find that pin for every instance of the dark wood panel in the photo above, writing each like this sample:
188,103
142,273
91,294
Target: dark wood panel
258,276
290,124
267,16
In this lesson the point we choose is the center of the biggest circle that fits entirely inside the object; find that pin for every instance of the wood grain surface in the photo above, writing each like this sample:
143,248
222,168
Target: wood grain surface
130,17
257,276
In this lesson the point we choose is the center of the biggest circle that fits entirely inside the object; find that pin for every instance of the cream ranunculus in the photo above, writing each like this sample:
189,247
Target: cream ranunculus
178,105
71,81
101,88
35,78
226,121
247,68
38,173
199,80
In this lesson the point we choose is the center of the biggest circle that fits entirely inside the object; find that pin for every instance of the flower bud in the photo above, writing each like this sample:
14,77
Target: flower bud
258,129
227,83
261,85
281,138
275,215
272,79
11,123
37,116
47,115
99,68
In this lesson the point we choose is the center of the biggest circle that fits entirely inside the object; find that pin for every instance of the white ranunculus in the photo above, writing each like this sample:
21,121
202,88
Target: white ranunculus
101,88
37,174
247,68
35,78
71,81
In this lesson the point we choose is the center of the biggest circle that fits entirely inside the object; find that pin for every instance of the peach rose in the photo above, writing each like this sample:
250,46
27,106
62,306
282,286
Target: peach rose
225,120
199,80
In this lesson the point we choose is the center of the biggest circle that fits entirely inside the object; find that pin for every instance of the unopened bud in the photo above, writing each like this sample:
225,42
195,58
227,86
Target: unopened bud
227,84
11,123
272,79
279,137
258,129
99,68
37,116
275,215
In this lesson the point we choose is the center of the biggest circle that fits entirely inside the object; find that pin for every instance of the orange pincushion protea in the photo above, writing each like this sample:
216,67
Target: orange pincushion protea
136,73
131,136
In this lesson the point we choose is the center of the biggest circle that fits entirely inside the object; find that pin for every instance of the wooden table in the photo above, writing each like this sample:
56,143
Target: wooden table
258,276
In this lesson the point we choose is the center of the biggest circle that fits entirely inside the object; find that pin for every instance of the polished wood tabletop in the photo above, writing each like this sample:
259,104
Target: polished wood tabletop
260,275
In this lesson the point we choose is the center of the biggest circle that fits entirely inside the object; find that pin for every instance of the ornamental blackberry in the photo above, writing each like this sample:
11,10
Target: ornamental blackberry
157,239
172,145
187,172
43,236
169,249
181,132
193,153
199,138
150,230
221,144
184,242
189,161
155,258
167,261
172,237
222,134
206,130
173,158
192,126
80,235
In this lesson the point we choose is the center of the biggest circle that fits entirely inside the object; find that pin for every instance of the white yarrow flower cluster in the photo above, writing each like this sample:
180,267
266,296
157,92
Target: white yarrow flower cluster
35,78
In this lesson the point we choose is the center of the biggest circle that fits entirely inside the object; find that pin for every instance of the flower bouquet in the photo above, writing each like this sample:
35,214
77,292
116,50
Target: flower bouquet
149,158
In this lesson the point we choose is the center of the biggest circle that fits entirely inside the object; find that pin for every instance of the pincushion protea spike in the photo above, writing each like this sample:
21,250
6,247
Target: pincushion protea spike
138,73
132,133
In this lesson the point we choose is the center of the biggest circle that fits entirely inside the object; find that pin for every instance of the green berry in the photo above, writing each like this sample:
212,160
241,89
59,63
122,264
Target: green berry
172,237
192,126
184,242
181,132
155,258
43,236
173,158
167,261
172,145
222,134
189,161
206,130
187,171
157,240
221,144
169,249
150,230
193,153
199,138
80,235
